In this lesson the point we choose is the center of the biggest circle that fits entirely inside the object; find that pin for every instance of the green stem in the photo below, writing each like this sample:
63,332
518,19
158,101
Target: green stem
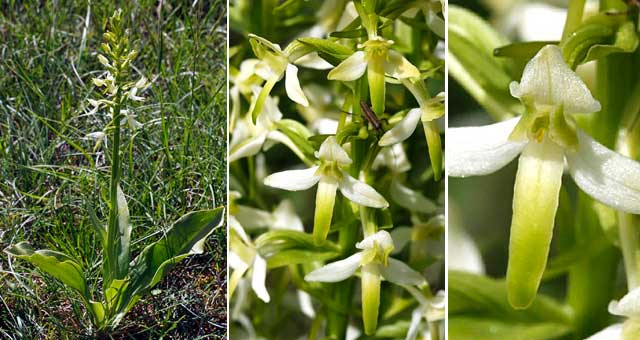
111,266
574,17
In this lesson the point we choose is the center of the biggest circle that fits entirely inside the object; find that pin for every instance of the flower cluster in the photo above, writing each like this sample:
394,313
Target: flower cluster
356,85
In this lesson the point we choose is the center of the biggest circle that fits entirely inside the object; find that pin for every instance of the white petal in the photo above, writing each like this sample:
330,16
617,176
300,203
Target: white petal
548,80
250,217
473,151
235,262
398,67
259,277
351,68
304,300
382,238
331,151
292,85
628,306
360,192
336,271
416,317
463,254
606,175
401,237
410,199
613,332
403,130
286,217
293,180
313,60
249,147
401,274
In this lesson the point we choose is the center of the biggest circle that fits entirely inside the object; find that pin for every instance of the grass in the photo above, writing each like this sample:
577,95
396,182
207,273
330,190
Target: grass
51,175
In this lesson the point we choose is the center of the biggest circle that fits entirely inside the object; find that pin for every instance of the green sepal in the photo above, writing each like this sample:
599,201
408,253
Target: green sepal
57,264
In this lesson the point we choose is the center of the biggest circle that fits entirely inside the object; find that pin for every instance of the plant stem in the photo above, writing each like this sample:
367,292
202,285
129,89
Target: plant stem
574,17
111,265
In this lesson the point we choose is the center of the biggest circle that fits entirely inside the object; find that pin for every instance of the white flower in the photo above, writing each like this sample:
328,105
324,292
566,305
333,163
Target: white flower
429,110
375,264
330,177
431,310
249,138
375,50
373,257
545,136
628,306
243,257
276,63
283,217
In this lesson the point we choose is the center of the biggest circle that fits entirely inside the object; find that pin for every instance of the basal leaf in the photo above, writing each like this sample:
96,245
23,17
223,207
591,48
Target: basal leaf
56,264
185,237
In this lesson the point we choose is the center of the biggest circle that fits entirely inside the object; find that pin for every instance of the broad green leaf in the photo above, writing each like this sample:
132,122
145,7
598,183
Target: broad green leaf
463,328
472,294
185,237
56,264
285,247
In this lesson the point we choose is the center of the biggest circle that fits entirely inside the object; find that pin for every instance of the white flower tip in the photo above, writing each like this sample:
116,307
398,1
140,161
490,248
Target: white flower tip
382,238
548,80
330,150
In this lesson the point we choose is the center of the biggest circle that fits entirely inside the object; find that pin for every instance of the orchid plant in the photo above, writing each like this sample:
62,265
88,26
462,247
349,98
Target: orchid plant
124,280
336,211
555,118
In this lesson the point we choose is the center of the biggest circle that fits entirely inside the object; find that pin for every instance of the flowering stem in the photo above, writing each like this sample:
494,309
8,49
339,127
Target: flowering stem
111,267
628,223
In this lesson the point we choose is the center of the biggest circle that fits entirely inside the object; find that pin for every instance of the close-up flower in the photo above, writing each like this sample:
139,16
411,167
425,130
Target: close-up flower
552,241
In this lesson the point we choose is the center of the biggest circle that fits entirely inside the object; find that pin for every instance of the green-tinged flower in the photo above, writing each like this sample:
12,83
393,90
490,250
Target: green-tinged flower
330,177
249,138
274,64
243,80
377,59
430,109
243,256
546,136
395,159
431,310
375,264
629,307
